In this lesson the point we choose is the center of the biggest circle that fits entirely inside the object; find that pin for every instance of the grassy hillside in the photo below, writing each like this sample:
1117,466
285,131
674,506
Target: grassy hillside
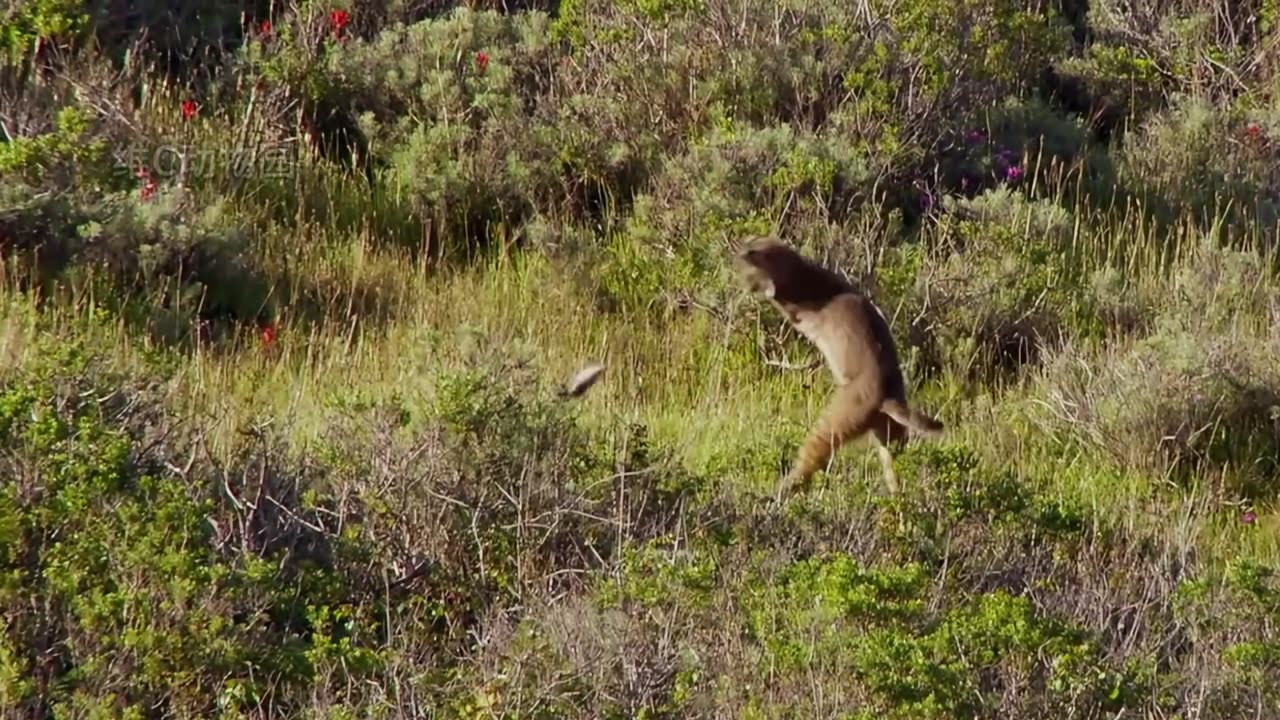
289,294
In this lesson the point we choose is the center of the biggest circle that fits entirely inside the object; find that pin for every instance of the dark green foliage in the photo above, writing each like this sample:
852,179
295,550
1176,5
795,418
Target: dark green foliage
178,590
114,593
875,625
1016,183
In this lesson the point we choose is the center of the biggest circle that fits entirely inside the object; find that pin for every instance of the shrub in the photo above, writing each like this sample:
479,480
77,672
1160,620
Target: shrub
735,183
468,113
537,132
1182,403
1198,160
1199,49
274,582
1020,144
115,594
71,154
1109,84
1235,626
36,22
833,616
1007,287
1199,393
171,264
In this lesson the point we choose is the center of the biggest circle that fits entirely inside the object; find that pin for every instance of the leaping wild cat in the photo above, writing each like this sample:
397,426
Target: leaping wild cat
870,396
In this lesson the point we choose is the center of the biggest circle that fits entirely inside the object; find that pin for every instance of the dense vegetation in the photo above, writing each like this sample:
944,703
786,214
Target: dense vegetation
288,296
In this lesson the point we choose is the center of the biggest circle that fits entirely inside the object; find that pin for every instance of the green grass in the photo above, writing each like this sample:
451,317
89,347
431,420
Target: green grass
698,383
696,380
389,509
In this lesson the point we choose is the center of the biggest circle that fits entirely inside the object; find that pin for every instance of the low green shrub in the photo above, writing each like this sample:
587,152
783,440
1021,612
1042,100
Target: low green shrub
34,23
1231,613
873,626
169,266
137,579
115,595
1214,164
1002,285
1199,393
73,153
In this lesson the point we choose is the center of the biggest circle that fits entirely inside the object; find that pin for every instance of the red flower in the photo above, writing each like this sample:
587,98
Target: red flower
339,20
268,335
149,185
265,27
189,109
482,60
1253,129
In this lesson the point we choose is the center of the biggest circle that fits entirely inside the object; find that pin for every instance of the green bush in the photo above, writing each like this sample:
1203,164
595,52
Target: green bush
169,264
1019,145
537,132
1180,404
243,586
1200,160
114,594
1111,83
1196,49
35,22
1238,624
734,183
1199,393
1002,285
871,626
70,155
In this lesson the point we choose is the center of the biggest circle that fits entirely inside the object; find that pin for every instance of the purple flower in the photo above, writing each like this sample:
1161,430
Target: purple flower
926,201
1014,172
1248,518
975,136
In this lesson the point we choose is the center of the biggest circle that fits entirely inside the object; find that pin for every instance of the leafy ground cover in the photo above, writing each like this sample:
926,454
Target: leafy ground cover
288,295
